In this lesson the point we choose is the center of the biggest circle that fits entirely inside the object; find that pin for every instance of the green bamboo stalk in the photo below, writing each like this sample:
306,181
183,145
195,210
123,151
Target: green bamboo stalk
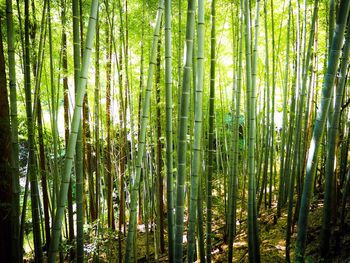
272,124
332,137
169,130
267,127
32,158
291,126
109,172
38,56
179,59
331,24
141,143
211,149
253,244
158,158
96,118
182,133
43,172
304,75
66,108
298,135
36,62
319,126
197,147
295,159
56,232
282,182
252,119
230,213
79,145
14,134
125,101
53,118
235,142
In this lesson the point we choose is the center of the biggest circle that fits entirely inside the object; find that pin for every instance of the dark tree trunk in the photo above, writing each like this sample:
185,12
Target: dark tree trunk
5,168
159,154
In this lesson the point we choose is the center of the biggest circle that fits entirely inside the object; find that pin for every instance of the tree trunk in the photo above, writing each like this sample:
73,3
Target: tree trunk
5,168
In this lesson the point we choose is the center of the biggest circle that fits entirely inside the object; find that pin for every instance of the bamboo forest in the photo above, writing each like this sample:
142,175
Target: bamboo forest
174,131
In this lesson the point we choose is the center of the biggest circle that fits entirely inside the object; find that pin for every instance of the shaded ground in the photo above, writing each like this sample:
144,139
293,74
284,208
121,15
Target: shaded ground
272,240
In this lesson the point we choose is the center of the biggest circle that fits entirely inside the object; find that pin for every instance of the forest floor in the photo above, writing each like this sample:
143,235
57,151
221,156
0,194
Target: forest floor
272,240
